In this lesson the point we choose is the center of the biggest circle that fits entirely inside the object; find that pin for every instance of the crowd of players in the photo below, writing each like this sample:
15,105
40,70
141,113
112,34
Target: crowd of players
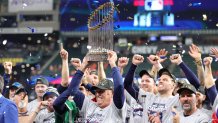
92,98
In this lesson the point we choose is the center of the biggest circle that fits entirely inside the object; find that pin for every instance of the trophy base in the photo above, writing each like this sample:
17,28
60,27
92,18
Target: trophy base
101,56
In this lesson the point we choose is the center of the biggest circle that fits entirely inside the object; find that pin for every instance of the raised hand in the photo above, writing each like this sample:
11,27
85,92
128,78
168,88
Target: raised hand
154,118
176,117
153,59
84,64
194,52
207,61
162,55
122,62
8,67
214,52
76,62
137,59
112,58
64,54
176,59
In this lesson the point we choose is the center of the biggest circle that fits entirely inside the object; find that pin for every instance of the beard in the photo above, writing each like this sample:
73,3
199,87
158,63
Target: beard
187,106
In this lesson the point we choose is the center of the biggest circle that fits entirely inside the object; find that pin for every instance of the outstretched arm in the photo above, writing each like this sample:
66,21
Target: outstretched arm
118,96
128,81
64,72
122,63
209,82
101,72
6,76
195,53
192,78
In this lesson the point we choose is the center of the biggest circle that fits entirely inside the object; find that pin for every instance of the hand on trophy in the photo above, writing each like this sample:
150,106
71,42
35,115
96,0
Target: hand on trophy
112,58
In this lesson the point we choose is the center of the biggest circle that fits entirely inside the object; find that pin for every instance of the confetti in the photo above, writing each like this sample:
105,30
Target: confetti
194,4
3,19
204,17
95,1
117,27
174,46
72,19
150,4
168,13
183,51
118,11
129,18
24,4
4,42
89,47
32,29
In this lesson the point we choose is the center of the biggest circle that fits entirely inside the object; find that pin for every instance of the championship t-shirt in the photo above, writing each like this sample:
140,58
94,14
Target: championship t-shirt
153,104
135,110
110,114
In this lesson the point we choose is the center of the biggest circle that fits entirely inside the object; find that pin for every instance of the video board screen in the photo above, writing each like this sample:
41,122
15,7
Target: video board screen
136,15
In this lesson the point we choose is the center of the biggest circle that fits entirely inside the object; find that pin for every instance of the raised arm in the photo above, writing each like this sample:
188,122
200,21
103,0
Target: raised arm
65,68
192,78
74,87
122,63
209,82
118,96
73,90
156,64
101,72
7,75
195,53
128,81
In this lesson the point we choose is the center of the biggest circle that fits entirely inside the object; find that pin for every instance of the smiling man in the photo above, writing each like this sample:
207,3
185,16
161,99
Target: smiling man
40,88
147,81
190,113
109,106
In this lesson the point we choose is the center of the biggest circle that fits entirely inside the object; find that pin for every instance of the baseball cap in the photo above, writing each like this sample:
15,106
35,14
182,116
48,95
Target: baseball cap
201,90
21,89
182,81
50,91
166,72
42,80
187,87
16,85
104,84
144,72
